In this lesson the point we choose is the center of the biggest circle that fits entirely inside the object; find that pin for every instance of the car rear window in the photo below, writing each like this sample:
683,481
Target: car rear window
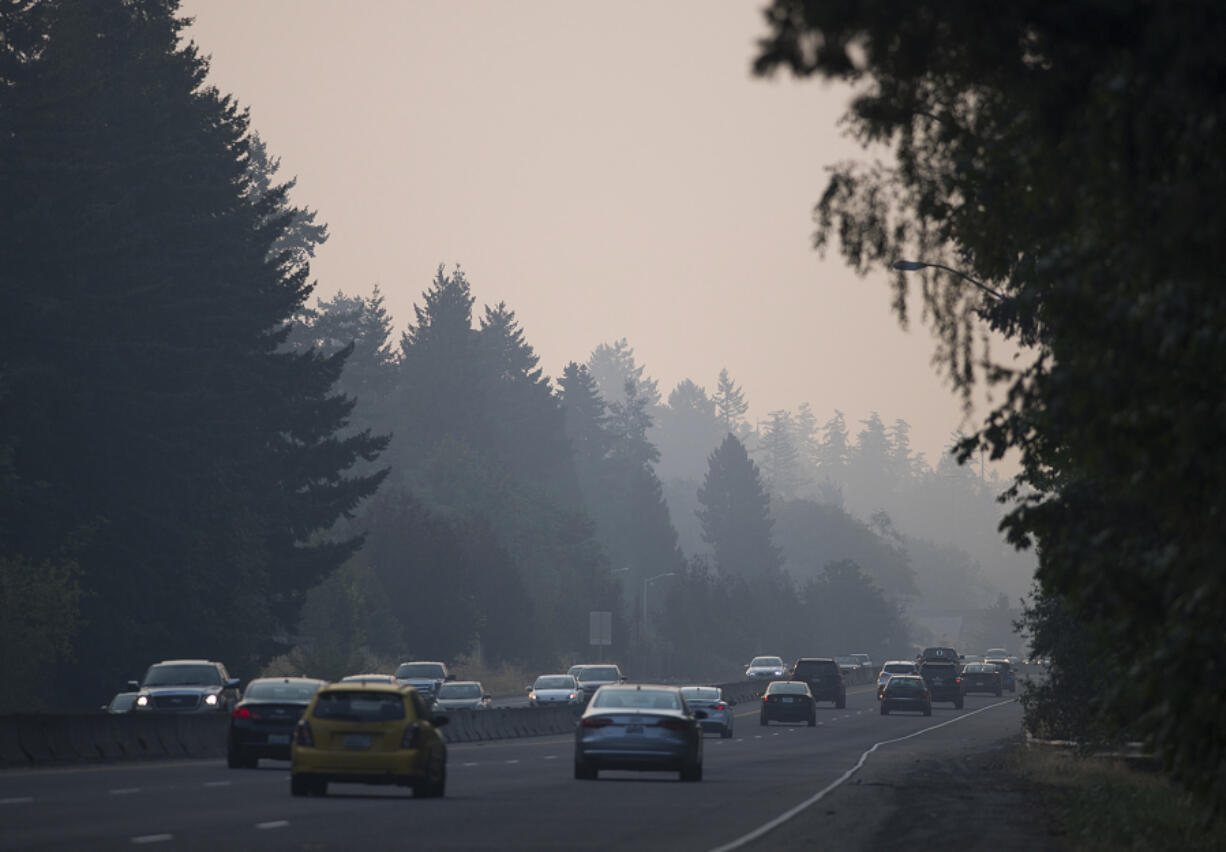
599,673
359,706
460,690
700,693
638,699
783,687
903,684
899,668
815,668
278,690
430,670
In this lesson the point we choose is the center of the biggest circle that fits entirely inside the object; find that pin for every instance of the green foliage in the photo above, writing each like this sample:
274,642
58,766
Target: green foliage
735,514
851,614
1109,271
145,315
39,619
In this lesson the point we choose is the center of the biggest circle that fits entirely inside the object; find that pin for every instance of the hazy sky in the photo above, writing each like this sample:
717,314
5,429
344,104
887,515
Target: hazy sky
607,169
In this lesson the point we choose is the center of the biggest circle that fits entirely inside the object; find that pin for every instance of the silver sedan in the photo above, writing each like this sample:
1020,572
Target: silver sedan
640,727
554,689
710,699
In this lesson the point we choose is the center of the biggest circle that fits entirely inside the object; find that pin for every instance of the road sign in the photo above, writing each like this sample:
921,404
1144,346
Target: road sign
601,627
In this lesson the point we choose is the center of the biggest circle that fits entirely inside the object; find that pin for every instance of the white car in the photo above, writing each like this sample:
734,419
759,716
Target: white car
891,668
770,668
553,689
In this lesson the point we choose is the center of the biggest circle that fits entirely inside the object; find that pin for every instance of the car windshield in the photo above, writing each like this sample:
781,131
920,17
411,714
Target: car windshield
279,690
358,706
598,673
847,661
638,699
766,662
555,682
787,688
122,702
814,669
460,690
185,674
434,671
700,693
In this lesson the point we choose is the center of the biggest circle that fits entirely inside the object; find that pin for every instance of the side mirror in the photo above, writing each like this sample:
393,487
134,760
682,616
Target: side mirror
527,689
133,686
233,683
487,698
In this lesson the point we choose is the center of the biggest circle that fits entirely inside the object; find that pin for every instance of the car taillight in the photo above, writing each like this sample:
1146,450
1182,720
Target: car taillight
720,706
673,724
303,736
243,713
596,722
411,737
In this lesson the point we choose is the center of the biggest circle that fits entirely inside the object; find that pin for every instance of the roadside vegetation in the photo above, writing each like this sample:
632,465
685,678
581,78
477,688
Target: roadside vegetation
1106,805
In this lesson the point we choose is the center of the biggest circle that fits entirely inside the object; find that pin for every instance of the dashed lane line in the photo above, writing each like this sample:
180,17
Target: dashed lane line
124,791
276,823
143,839
218,783
17,800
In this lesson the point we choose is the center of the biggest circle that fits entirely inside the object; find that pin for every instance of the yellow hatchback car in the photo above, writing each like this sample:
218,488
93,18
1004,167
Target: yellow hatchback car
368,733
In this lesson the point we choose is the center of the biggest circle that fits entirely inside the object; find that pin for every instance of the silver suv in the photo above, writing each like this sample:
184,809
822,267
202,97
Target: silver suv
424,676
185,686
592,677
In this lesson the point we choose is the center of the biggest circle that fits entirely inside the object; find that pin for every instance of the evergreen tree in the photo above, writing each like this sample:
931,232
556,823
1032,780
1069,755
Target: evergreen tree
687,430
730,404
613,367
735,513
834,452
300,232
184,454
781,460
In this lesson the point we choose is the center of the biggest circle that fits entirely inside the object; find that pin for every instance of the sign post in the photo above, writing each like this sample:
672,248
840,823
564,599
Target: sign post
600,628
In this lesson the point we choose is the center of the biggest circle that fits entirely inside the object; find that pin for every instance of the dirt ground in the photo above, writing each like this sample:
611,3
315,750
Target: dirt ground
924,798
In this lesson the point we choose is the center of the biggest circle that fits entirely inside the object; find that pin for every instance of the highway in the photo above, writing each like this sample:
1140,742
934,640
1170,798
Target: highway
508,794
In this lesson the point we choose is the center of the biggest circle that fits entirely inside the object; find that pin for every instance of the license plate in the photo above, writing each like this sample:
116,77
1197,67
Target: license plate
357,740
787,699
634,729
278,739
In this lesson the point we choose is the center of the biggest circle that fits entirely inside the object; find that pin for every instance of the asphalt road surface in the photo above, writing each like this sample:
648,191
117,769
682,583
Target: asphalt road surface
510,794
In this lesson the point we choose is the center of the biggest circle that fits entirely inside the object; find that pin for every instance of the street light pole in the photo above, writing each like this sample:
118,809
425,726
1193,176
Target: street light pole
646,583
916,265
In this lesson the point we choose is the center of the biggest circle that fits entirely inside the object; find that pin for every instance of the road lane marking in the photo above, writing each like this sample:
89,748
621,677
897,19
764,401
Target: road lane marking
470,764
787,815
17,800
276,823
124,791
551,757
218,783
142,839
511,761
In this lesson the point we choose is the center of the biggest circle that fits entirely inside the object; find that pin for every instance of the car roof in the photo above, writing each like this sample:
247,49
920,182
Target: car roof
463,683
422,663
366,686
191,662
815,660
632,687
287,679
899,663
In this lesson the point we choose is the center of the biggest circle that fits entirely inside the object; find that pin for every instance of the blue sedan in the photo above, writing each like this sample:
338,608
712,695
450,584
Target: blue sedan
639,727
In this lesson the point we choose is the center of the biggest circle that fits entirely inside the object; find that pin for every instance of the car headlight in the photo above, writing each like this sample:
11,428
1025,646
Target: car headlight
532,696
142,701
210,700
779,672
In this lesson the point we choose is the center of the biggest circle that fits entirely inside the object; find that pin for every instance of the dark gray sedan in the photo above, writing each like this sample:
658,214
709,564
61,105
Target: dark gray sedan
639,727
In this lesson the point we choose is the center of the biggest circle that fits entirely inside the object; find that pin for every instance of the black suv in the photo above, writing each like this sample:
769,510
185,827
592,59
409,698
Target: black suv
944,682
824,678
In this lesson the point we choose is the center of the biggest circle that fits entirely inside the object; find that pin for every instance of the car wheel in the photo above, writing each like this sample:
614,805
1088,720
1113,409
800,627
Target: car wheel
762,720
928,711
320,787
726,733
998,693
813,721
235,759
841,702
958,704
584,772
692,773
885,711
433,783
299,785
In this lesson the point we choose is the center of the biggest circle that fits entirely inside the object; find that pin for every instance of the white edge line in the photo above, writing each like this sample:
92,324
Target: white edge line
152,838
17,800
768,827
